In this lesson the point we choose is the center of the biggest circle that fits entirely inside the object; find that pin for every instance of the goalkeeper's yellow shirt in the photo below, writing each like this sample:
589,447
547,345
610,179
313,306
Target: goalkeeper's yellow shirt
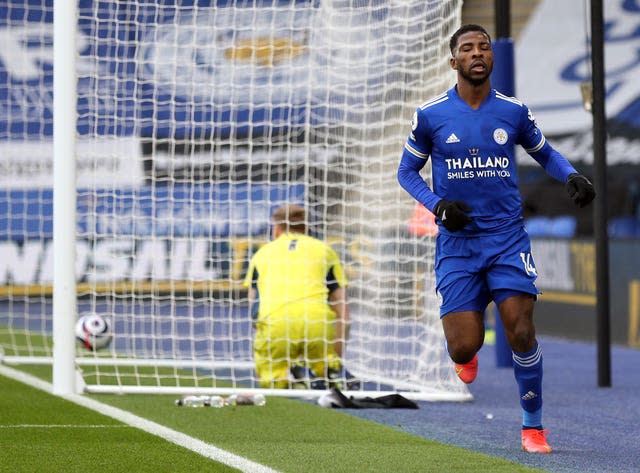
293,275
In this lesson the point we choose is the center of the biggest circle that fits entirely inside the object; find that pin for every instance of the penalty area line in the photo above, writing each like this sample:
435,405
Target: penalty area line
191,443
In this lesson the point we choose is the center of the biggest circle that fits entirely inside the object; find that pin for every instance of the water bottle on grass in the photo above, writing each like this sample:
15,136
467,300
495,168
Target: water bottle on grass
246,399
200,401
192,401
215,401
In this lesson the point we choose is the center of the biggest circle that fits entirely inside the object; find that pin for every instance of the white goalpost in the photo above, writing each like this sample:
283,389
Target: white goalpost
193,121
64,202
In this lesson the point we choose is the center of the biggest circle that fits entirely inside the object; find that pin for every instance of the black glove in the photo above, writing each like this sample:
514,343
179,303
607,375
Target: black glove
453,214
580,189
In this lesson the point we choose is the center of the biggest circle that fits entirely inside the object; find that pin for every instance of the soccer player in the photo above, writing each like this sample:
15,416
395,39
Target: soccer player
297,284
483,251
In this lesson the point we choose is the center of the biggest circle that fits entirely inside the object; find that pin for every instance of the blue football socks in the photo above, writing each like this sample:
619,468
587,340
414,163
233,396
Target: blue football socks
527,368
532,419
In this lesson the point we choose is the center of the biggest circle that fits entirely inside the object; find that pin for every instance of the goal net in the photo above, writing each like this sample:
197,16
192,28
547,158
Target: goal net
195,120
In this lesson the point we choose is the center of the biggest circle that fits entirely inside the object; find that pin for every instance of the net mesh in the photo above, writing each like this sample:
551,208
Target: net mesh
195,120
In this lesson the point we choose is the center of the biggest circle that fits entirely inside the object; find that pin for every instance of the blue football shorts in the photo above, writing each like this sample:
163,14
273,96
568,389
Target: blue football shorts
473,271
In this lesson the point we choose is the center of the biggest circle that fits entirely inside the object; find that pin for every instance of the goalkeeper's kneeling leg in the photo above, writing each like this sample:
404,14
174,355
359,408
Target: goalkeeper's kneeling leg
342,378
305,377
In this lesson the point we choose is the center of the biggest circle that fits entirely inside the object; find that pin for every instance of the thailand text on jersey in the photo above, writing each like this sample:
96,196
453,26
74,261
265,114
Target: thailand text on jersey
473,156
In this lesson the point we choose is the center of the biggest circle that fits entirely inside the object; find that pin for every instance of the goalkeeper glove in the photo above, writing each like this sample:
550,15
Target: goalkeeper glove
580,189
453,214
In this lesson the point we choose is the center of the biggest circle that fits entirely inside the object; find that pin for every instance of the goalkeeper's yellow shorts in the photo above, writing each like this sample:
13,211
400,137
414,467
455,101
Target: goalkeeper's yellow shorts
282,342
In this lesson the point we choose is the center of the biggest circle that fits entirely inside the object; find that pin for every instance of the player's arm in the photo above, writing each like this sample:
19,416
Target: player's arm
551,160
338,303
578,186
336,282
410,179
414,157
557,166
251,283
452,214
254,304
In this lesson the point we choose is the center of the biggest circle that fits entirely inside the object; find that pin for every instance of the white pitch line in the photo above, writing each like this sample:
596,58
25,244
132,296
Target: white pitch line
195,445
63,426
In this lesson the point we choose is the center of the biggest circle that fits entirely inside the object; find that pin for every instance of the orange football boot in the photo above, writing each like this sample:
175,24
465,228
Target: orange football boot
467,372
535,441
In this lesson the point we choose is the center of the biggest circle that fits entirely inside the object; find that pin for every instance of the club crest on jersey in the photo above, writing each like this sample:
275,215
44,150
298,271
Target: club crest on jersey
500,136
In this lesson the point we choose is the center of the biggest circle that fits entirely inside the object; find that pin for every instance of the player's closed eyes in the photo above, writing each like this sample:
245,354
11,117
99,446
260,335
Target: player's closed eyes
483,46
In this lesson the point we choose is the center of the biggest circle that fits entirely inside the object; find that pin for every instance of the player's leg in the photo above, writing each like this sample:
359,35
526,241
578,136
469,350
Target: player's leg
516,312
464,298
464,332
517,316
306,333
325,360
271,356
512,279
320,353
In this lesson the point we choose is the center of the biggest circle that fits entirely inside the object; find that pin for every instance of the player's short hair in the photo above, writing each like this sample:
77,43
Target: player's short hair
291,218
453,42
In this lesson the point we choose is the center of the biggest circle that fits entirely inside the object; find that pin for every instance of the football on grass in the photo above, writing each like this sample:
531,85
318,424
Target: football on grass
93,331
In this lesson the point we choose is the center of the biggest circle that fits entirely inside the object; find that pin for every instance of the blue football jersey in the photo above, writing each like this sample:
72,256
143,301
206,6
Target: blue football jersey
473,157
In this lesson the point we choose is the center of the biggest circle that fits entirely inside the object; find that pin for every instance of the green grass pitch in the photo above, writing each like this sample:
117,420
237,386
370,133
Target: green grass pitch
44,433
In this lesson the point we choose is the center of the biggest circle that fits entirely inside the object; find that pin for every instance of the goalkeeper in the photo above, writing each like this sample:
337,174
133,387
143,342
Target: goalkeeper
297,292
483,251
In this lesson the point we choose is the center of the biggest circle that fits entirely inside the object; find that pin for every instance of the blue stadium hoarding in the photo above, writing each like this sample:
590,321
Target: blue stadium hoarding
175,90
171,211
124,94
178,78
190,69
220,71
183,233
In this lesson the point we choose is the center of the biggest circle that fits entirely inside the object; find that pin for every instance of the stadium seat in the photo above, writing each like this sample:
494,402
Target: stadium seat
624,227
562,226
538,226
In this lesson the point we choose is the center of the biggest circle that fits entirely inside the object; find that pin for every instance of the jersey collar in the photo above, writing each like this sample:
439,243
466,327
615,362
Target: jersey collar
453,94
